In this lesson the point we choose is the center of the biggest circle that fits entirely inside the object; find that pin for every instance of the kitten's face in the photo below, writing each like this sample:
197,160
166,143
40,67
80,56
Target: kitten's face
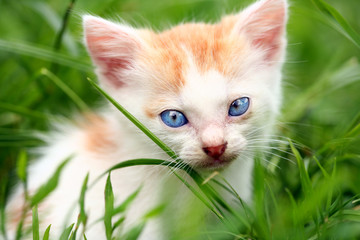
210,92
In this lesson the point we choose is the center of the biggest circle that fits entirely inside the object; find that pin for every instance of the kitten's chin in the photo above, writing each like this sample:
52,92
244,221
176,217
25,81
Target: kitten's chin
214,164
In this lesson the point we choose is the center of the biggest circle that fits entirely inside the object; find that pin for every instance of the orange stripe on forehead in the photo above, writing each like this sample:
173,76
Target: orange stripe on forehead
97,138
167,61
209,46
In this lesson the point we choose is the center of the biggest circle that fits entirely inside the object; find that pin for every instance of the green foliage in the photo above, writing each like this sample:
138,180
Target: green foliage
309,189
339,21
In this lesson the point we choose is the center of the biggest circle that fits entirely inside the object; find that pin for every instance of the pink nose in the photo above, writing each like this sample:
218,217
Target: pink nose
216,151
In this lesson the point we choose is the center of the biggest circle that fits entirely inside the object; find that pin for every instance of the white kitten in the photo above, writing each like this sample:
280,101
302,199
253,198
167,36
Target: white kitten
210,92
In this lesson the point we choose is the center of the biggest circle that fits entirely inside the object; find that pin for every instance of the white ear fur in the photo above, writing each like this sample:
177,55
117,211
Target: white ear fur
112,47
264,24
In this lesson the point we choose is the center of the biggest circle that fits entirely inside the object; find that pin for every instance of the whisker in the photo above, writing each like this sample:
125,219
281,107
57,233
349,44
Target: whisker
279,156
271,163
271,148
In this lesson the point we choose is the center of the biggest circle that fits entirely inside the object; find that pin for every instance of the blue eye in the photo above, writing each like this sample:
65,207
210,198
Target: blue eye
239,106
173,118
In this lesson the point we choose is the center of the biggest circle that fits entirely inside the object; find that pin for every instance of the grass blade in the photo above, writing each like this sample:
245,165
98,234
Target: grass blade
123,206
35,223
199,196
154,212
134,232
259,196
227,186
23,111
304,176
66,233
294,207
49,186
209,192
137,123
52,18
21,164
325,173
68,91
354,132
109,206
197,178
65,21
83,216
3,185
20,144
47,233
141,161
334,15
43,53
118,223
338,205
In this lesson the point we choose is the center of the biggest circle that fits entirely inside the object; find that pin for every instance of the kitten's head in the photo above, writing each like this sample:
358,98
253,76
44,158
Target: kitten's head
210,92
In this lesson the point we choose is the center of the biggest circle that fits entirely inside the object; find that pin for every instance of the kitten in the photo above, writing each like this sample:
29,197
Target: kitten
209,91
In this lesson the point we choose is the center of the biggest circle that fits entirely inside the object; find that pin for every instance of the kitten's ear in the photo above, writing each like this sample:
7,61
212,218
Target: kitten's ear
112,47
264,24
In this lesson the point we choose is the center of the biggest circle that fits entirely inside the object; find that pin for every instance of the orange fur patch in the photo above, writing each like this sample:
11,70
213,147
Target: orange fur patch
97,135
16,213
210,46
152,106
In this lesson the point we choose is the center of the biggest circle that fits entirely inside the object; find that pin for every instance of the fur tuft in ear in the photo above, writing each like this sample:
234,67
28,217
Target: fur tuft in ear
112,47
264,24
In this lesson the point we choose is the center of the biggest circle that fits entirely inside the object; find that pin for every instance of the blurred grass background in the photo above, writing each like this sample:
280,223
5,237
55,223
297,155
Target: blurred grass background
321,104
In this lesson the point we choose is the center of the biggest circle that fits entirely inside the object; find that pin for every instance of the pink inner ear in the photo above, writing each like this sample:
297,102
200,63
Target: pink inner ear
271,39
112,68
265,26
112,50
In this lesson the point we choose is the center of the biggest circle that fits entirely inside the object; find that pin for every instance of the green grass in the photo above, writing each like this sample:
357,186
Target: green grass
312,194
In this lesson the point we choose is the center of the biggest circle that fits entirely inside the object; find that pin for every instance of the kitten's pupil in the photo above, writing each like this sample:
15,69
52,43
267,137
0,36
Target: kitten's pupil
236,105
173,116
